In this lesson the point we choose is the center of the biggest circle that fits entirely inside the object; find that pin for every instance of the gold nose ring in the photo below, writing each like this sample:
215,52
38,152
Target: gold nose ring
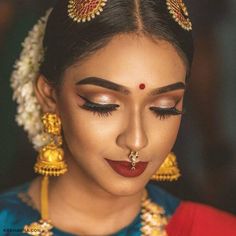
133,156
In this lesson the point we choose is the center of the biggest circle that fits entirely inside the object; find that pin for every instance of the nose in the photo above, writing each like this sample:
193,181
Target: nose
133,136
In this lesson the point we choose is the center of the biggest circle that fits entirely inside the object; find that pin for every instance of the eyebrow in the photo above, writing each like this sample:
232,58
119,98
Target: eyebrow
168,88
122,89
105,84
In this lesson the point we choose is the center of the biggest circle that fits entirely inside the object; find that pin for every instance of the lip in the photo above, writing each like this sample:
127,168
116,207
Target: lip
124,167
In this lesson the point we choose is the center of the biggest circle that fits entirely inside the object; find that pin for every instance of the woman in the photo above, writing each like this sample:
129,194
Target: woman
110,91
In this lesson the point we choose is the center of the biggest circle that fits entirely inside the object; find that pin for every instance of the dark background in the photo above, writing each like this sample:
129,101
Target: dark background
206,145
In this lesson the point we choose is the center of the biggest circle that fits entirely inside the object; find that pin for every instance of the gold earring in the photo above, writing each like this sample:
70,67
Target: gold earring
168,171
50,161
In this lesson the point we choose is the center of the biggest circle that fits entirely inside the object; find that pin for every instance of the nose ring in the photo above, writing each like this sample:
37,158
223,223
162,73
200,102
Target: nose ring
133,156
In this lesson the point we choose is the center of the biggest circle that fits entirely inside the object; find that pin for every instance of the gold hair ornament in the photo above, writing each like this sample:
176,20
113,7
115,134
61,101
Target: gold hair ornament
85,10
179,12
168,171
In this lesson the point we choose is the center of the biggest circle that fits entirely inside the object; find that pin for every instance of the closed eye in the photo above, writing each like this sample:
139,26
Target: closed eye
164,113
99,109
107,109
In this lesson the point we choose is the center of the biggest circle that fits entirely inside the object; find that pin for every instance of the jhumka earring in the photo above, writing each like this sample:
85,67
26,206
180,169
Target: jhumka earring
50,162
168,171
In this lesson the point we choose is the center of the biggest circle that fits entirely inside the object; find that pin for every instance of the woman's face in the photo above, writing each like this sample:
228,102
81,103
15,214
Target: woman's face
108,116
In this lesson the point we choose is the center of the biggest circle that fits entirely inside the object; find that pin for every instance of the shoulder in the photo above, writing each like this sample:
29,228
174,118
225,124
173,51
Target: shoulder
10,196
163,198
199,219
13,210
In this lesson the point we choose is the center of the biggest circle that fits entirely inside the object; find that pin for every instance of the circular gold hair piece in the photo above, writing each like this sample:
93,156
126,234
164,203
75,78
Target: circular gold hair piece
85,10
179,12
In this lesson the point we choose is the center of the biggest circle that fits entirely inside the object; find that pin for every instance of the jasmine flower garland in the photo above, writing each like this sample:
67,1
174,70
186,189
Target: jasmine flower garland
22,79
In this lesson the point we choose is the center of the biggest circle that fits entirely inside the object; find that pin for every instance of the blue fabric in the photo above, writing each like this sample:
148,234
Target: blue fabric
14,213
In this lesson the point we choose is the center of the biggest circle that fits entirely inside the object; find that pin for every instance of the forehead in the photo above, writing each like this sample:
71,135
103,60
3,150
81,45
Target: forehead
131,59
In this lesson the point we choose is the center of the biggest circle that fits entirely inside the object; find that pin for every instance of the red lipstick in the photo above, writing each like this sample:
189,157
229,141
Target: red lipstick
124,167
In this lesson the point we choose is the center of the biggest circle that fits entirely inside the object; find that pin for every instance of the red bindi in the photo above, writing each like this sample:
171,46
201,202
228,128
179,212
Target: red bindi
142,86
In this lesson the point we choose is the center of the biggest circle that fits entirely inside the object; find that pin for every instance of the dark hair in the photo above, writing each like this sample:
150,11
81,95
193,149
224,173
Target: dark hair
66,41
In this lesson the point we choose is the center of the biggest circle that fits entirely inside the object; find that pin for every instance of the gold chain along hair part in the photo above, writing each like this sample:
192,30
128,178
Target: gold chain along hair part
85,10
179,12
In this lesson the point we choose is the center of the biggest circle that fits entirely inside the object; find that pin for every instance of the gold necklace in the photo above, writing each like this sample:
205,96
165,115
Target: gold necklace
153,218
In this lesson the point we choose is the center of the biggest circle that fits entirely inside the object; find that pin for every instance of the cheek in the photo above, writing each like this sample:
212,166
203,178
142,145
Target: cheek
86,133
172,129
163,135
164,132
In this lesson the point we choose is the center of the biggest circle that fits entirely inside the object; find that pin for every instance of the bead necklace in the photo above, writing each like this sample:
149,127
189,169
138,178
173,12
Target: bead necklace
153,218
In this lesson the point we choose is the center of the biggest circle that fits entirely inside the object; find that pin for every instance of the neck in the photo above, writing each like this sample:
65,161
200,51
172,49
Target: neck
77,196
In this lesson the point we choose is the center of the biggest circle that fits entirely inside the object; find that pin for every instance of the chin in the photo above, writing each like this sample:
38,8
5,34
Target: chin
125,187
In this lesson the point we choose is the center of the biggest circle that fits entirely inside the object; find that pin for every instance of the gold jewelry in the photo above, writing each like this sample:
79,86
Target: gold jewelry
50,161
85,10
180,14
153,218
133,156
168,171
44,226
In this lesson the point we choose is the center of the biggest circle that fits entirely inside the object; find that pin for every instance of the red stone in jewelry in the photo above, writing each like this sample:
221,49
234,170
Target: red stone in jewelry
142,86
179,12
85,10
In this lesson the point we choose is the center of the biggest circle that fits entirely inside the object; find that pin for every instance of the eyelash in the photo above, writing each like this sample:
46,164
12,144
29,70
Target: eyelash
97,109
164,113
106,110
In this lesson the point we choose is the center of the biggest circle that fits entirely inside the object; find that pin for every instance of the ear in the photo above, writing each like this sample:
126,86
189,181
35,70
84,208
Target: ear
45,94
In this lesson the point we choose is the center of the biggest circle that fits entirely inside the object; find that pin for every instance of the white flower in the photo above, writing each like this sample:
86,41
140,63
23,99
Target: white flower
26,70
